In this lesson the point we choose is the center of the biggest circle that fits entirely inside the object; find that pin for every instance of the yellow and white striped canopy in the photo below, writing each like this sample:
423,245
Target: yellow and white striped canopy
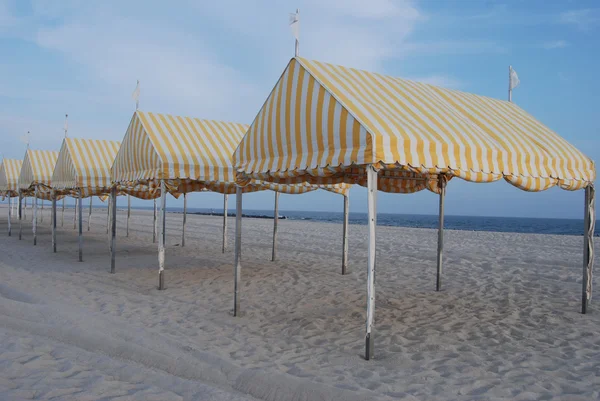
84,165
9,176
324,123
36,171
190,154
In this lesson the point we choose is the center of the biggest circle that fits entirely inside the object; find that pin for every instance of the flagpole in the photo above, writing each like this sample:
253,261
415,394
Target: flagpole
510,83
297,50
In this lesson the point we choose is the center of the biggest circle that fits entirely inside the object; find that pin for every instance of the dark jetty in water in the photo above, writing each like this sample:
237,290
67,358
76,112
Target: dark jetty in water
251,216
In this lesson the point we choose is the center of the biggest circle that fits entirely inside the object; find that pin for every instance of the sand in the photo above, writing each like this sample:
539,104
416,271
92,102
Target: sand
505,327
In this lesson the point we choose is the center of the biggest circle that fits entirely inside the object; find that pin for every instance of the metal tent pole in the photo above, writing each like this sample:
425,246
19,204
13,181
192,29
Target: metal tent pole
42,211
9,215
128,214
20,214
588,246
275,221
154,224
238,251
372,206
440,250
225,199
184,220
53,221
62,219
345,235
77,205
35,211
113,227
162,238
90,214
80,213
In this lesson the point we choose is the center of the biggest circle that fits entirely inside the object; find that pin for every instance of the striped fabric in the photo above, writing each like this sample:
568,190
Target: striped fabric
36,171
322,122
9,176
190,154
84,165
160,146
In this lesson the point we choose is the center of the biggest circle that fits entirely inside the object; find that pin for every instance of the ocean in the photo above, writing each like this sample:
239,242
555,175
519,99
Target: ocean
468,223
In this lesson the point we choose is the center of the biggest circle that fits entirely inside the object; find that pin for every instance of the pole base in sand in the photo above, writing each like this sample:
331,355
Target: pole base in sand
369,347
161,280
584,305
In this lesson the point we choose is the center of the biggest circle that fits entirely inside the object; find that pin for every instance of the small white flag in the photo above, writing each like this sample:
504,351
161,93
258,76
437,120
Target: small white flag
136,94
514,79
295,24
25,138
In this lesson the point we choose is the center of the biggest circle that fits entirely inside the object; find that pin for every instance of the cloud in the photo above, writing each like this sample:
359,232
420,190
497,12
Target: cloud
455,47
556,44
178,75
583,19
443,81
374,9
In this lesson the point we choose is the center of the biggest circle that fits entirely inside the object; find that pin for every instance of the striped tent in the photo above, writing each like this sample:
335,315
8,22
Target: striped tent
325,123
35,179
9,180
174,154
83,170
9,177
322,122
84,165
187,154
36,172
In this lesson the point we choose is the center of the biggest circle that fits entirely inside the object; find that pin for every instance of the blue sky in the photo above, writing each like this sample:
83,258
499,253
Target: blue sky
219,60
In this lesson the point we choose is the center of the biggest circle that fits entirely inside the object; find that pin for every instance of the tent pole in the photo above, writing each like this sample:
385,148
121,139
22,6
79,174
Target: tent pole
25,208
225,199
154,224
90,214
128,214
372,206
238,251
80,212
62,219
9,213
161,239
35,211
588,246
42,212
345,235
440,250
112,207
75,213
108,214
184,220
53,221
20,215
275,221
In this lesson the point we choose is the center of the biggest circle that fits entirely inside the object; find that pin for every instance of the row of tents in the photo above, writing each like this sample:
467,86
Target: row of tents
323,126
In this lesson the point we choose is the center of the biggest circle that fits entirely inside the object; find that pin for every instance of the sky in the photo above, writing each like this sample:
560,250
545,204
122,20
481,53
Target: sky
220,59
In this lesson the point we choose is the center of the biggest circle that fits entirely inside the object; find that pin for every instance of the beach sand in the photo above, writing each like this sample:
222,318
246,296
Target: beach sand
507,325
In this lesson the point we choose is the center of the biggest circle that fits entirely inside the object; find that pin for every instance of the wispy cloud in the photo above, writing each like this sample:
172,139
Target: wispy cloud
444,81
555,44
584,19
452,47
